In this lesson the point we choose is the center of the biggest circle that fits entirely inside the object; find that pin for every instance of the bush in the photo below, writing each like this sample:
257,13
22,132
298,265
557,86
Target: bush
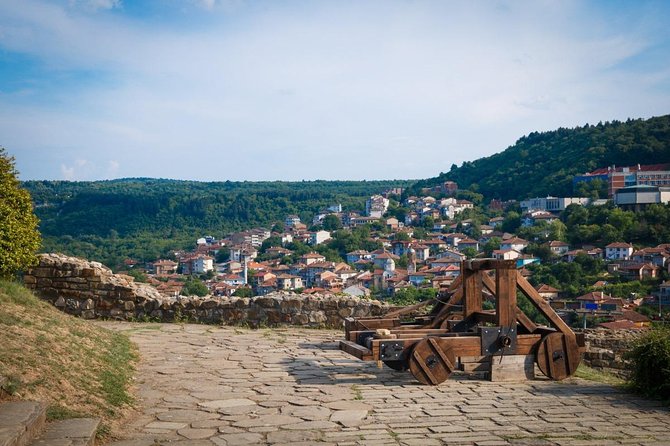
650,357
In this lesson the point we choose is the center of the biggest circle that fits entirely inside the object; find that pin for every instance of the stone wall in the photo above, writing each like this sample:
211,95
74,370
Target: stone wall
91,290
605,349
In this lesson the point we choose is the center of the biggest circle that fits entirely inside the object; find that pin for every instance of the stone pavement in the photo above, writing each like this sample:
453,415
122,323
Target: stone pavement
207,385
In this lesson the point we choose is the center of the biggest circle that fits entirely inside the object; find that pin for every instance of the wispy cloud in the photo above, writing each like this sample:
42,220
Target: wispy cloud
94,5
290,90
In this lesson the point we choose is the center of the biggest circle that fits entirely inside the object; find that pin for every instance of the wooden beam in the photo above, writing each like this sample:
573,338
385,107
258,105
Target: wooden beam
489,284
468,345
454,287
488,264
356,350
543,306
472,291
409,309
446,308
525,322
506,297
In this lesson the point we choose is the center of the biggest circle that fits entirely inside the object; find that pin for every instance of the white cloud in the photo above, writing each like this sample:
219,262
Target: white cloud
112,169
298,90
67,172
95,5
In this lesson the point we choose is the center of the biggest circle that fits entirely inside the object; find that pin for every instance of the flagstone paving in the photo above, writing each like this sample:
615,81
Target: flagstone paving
206,385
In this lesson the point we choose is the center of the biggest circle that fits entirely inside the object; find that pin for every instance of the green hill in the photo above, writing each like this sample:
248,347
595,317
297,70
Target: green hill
541,164
145,218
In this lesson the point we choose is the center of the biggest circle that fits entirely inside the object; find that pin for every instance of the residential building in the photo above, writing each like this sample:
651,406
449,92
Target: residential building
515,243
289,282
376,206
291,220
164,267
196,264
640,271
506,254
355,256
618,251
318,237
558,247
548,292
312,257
468,243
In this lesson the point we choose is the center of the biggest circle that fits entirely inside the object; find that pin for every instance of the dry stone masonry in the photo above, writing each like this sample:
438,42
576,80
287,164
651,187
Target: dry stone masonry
605,349
91,290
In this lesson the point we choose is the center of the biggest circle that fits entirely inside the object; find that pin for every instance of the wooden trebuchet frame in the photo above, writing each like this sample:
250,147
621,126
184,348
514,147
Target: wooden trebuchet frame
457,327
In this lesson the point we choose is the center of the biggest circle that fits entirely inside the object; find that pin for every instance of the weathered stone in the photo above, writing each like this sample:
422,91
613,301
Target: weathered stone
222,404
349,418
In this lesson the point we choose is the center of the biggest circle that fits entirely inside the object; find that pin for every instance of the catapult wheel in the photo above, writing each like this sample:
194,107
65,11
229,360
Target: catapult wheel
558,356
430,362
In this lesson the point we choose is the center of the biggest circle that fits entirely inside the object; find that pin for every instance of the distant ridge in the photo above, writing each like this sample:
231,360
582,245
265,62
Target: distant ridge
541,164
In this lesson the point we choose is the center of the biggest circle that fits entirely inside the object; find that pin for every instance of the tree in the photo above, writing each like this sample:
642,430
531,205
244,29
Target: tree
243,292
19,237
194,287
331,222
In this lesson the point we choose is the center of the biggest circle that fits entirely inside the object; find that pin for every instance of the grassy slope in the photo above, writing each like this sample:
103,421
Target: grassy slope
79,369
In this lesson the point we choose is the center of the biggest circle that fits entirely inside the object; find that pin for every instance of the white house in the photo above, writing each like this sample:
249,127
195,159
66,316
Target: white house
506,254
618,251
515,243
318,237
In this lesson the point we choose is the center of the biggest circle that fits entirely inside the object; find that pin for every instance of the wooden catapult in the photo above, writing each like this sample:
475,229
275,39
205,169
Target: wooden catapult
504,340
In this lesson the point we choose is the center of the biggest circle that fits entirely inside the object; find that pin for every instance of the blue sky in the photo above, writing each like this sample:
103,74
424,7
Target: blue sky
292,90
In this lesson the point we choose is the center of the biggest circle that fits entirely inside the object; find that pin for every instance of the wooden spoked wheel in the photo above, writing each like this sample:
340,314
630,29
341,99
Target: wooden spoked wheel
558,356
432,361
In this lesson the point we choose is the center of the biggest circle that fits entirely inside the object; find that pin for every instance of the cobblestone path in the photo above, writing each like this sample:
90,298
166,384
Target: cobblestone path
205,385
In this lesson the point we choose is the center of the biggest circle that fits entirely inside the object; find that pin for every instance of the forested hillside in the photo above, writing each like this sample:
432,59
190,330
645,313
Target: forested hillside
144,218
541,164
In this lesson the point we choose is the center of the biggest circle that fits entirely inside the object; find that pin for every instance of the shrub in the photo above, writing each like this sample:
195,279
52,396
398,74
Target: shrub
650,358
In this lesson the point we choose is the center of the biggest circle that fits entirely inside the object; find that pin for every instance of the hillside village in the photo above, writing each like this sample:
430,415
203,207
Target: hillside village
412,246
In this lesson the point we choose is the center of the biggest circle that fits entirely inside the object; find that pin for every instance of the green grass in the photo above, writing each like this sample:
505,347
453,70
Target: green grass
58,412
357,392
116,375
586,372
76,367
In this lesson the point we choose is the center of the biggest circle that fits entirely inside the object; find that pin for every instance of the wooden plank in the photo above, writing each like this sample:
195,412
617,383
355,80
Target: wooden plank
356,350
506,297
472,291
466,344
446,308
490,284
510,368
409,309
525,321
485,317
455,286
543,306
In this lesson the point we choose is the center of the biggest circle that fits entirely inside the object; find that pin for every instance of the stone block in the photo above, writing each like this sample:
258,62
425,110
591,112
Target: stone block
300,319
266,302
43,282
129,305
